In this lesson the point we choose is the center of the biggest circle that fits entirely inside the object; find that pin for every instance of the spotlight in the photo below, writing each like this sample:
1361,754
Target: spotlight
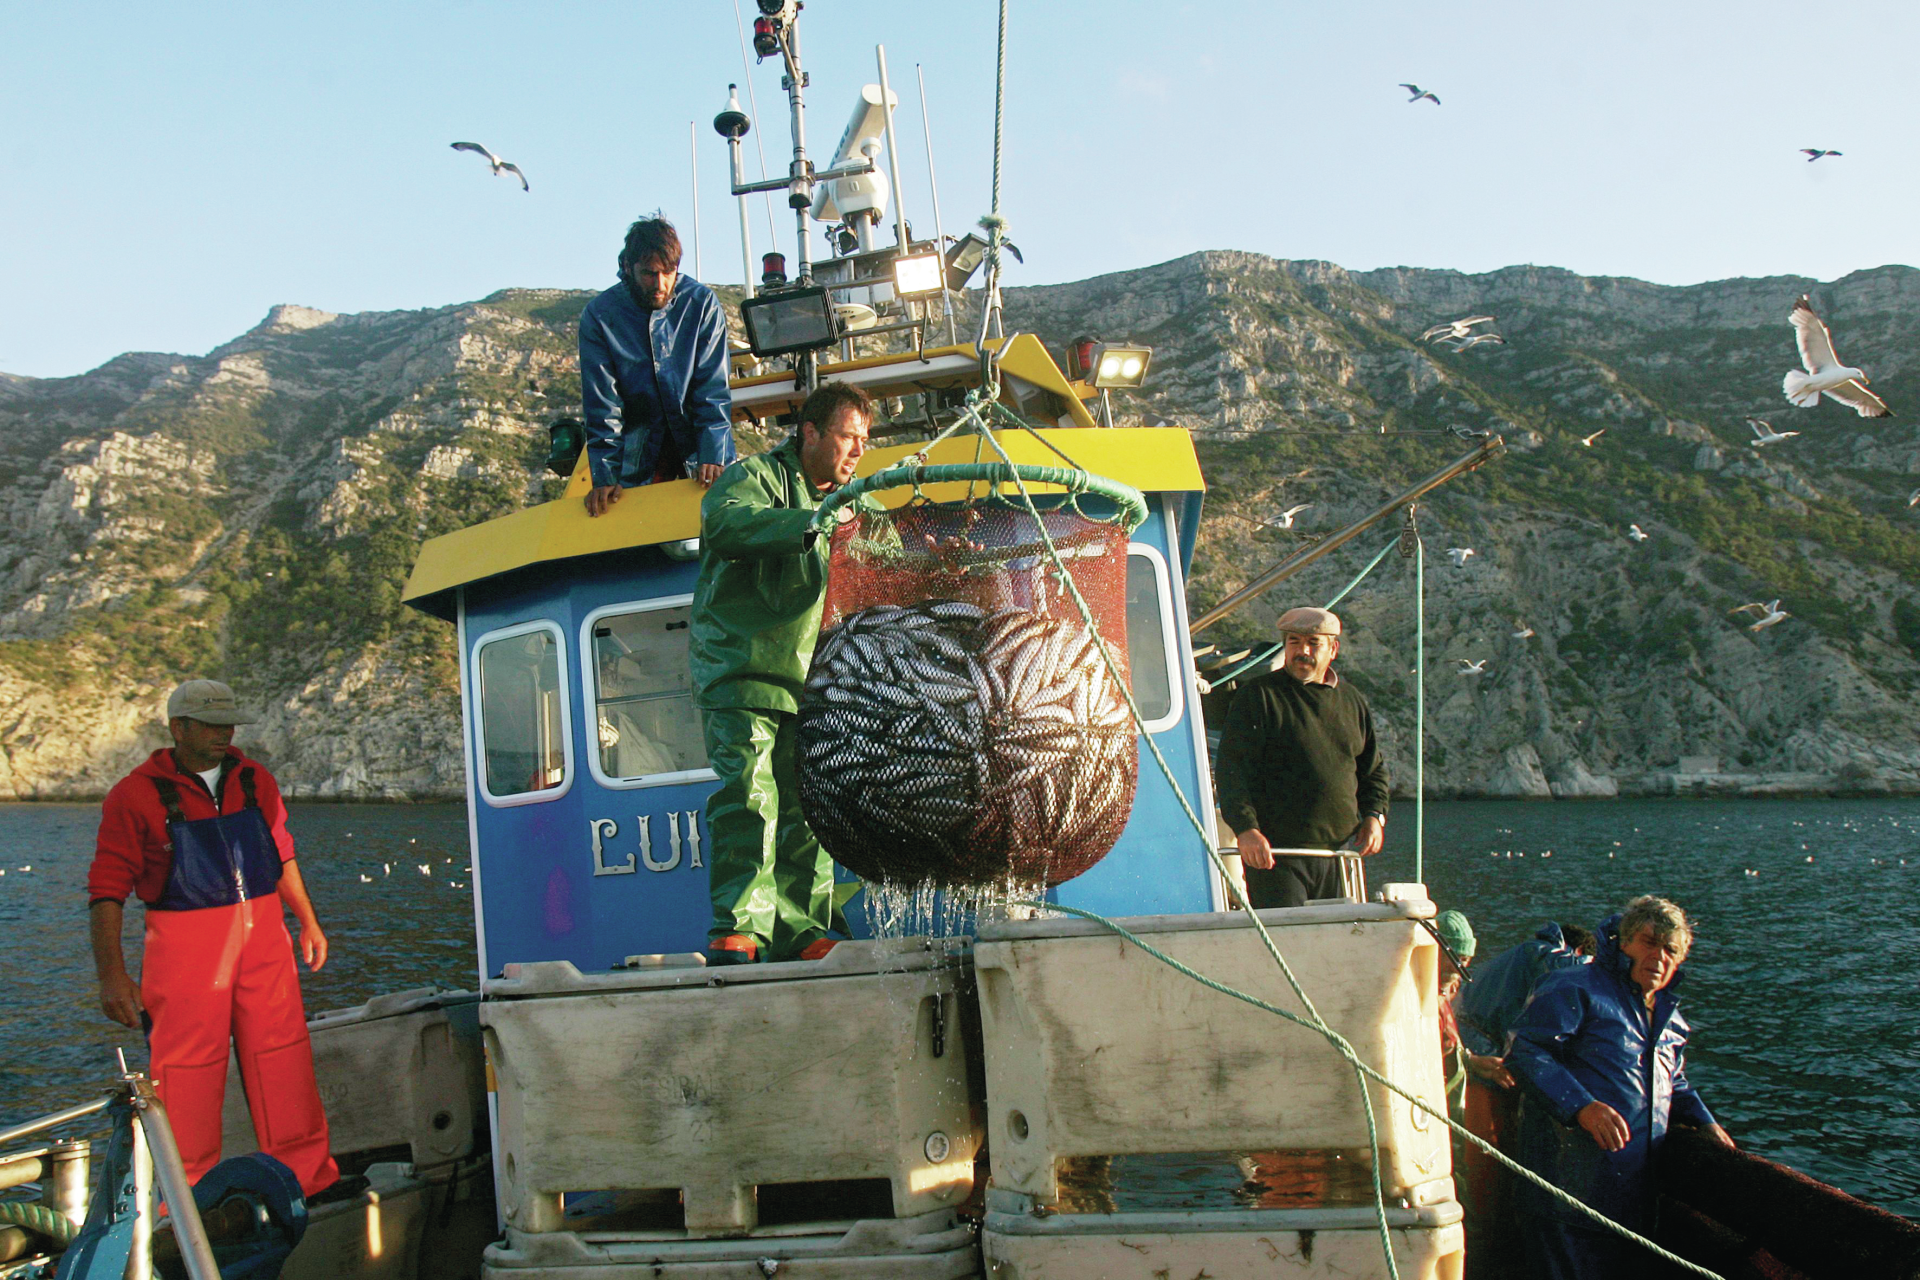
919,276
790,320
1114,365
964,257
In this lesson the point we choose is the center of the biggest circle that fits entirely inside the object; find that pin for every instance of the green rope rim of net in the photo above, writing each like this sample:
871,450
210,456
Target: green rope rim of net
1132,503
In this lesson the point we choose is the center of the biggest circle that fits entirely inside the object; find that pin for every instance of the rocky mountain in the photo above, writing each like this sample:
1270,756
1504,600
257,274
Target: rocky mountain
252,513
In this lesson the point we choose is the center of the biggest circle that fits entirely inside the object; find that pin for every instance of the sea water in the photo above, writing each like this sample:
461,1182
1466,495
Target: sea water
1801,988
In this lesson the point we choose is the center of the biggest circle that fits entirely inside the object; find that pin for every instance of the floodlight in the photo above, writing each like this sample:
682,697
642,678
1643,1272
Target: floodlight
964,257
790,320
919,276
1114,365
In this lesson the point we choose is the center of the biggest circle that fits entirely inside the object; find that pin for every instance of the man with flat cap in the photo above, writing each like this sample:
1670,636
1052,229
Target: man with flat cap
1300,768
199,832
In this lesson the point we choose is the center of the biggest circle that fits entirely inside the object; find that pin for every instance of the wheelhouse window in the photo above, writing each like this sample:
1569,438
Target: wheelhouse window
523,712
644,723
1150,658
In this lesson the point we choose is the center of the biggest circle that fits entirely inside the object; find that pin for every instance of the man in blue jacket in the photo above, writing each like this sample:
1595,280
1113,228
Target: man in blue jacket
653,373
1501,987
1601,1052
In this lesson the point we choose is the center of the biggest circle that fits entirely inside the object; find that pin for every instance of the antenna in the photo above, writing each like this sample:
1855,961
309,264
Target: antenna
893,154
933,186
693,157
732,124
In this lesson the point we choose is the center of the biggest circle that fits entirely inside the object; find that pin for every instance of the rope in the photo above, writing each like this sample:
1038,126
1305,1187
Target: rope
1266,655
1346,1051
1420,710
39,1219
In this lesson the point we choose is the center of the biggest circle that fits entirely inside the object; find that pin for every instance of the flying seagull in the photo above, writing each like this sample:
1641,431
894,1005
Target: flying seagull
1913,499
1473,668
1588,440
1635,532
1816,153
1467,344
1524,631
1773,615
1286,517
1455,328
1764,434
1416,93
1459,555
1756,608
1824,372
499,166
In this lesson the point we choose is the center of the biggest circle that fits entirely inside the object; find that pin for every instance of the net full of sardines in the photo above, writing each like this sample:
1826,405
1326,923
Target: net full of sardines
962,725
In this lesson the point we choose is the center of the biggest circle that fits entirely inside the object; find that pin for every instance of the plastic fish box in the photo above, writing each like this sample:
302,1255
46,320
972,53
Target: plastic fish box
402,1070
721,1089
375,1236
935,1246
1301,1244
1094,1048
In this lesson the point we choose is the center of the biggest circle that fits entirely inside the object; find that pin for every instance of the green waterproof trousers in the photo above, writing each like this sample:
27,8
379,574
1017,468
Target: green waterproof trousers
768,875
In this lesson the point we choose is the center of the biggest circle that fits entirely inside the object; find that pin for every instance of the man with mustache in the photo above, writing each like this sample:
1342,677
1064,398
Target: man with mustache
1300,768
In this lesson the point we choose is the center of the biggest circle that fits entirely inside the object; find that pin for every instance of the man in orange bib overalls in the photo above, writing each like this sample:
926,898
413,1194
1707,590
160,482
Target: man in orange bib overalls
199,832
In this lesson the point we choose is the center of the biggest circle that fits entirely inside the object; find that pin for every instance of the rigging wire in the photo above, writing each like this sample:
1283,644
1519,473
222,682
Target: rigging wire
759,139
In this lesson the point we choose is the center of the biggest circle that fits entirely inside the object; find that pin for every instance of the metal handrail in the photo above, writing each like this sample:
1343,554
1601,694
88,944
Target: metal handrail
1353,876
54,1120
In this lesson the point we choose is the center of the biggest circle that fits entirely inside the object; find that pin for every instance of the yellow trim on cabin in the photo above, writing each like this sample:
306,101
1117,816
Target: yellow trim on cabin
1152,459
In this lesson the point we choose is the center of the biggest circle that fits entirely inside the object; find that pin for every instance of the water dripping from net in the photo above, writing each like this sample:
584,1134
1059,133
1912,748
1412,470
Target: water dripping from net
926,909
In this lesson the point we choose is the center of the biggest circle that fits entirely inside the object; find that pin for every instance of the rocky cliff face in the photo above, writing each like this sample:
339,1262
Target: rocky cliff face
252,514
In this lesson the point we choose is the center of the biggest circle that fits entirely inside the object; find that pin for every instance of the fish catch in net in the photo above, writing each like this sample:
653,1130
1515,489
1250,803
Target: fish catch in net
960,724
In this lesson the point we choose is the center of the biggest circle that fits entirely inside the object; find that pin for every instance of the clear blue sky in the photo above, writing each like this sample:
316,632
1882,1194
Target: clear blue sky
173,170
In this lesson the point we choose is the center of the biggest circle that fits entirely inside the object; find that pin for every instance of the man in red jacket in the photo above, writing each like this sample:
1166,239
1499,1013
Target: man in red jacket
199,832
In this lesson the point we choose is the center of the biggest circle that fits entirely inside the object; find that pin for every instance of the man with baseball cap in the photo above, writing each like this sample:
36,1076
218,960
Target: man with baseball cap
1300,769
199,832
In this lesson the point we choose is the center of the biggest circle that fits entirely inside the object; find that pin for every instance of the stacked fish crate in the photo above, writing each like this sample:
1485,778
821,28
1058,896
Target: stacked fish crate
810,1117
1144,1125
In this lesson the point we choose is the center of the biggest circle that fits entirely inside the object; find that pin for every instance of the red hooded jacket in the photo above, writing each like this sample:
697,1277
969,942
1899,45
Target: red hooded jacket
133,853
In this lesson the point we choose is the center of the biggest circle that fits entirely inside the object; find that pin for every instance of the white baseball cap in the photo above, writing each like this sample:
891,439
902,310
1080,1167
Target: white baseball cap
207,701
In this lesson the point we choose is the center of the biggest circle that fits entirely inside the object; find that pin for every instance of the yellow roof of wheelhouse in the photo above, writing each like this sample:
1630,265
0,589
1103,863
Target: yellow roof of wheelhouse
1152,459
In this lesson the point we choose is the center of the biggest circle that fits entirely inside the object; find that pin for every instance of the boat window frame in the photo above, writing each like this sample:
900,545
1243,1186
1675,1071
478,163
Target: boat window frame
1163,595
589,700
567,770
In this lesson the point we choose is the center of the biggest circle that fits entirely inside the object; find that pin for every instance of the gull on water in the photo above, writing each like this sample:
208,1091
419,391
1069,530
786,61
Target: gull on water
1473,668
1459,555
1286,517
1824,371
1523,630
1764,434
499,166
1588,440
426,868
1462,328
1635,532
1817,153
366,879
1416,93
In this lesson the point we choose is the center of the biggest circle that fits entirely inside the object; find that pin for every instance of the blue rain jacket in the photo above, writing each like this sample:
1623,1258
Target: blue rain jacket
1586,1036
654,379
1488,1006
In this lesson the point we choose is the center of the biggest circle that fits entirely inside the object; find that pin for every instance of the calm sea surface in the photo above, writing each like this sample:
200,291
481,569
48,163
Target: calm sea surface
1803,987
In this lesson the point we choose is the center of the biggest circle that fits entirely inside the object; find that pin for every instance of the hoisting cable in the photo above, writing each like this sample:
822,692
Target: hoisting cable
1266,655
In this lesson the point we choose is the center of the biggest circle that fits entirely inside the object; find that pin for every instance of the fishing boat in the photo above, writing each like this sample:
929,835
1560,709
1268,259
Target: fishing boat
1078,1084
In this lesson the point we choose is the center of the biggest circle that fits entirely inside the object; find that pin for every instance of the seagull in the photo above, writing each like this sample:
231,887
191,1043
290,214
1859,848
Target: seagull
426,868
499,166
1418,93
1774,614
1455,328
386,868
1286,517
1587,441
1467,344
1764,434
1524,632
1755,607
1913,499
1635,532
1473,668
1816,153
1824,372
1459,556
366,879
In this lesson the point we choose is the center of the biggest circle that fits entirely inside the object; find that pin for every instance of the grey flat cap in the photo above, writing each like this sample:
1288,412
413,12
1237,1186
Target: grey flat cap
207,701
1307,621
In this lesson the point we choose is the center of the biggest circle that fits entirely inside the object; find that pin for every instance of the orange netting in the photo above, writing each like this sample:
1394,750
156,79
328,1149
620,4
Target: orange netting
960,725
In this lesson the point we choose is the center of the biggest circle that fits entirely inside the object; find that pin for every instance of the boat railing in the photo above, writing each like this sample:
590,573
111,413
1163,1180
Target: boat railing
1353,876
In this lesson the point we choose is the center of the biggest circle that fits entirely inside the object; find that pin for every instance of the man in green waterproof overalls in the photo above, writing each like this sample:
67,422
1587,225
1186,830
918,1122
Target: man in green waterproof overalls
756,615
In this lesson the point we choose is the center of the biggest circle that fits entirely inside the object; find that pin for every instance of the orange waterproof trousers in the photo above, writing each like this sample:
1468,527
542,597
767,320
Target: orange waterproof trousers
223,975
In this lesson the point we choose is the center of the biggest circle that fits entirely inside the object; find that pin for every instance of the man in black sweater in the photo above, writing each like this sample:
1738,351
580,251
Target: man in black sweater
1300,769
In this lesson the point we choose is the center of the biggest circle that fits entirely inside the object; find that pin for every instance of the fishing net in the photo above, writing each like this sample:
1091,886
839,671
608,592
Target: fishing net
960,724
